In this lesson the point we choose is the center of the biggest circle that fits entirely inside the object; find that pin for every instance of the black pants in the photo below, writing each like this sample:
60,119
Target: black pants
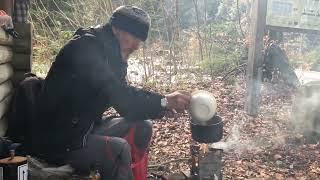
108,152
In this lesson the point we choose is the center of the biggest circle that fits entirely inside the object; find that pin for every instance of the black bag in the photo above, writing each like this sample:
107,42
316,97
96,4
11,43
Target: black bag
22,108
5,147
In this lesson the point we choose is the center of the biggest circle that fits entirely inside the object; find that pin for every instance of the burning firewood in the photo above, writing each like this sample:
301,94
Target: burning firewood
204,148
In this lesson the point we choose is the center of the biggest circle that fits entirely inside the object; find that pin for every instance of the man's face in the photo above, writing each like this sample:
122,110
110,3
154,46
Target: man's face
128,43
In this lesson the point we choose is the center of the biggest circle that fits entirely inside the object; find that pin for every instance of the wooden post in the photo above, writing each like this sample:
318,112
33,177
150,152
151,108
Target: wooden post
255,56
22,52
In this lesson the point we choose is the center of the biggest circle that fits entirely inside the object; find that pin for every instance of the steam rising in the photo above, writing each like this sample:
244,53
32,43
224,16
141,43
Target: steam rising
273,127
232,141
239,142
306,110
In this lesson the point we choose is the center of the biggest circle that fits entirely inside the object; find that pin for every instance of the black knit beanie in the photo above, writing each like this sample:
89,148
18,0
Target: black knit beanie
132,20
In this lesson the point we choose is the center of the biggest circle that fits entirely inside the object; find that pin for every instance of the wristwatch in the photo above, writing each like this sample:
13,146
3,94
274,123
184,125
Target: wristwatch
164,102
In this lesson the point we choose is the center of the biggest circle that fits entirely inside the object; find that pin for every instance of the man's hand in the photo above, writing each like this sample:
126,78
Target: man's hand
178,101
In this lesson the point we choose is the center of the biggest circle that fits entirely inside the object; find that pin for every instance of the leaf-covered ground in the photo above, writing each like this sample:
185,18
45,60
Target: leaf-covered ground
263,147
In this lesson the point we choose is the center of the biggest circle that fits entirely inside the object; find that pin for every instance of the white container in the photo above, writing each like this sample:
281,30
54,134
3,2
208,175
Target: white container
203,106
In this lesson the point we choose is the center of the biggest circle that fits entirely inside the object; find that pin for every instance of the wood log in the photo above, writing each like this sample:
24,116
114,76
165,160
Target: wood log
5,54
4,106
6,72
3,126
5,39
6,88
21,61
14,167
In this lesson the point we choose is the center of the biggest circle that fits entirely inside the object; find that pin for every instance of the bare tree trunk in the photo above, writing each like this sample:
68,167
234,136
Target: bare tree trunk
126,2
205,25
144,63
195,2
249,11
177,18
178,48
151,67
109,6
169,36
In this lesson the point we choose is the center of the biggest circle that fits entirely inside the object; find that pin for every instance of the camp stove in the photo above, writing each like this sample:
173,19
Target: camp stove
206,162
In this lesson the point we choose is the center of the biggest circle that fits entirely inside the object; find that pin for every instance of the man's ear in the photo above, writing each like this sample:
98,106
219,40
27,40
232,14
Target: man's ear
116,31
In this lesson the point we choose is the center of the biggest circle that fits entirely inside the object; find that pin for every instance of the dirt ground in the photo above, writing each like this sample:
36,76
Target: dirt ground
262,147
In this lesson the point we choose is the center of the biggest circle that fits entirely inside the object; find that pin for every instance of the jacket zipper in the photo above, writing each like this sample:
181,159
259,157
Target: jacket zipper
86,135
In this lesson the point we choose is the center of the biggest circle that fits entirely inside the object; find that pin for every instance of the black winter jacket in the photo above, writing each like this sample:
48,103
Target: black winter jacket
87,77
